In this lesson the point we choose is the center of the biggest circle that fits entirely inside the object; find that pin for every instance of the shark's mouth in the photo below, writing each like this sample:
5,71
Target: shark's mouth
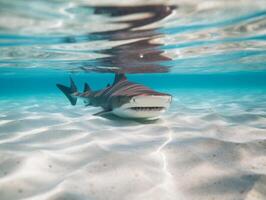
150,108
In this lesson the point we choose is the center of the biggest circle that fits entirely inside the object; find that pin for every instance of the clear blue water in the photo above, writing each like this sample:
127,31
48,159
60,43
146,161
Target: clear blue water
210,55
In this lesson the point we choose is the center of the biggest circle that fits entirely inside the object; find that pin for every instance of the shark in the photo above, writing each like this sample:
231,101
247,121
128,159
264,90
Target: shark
122,98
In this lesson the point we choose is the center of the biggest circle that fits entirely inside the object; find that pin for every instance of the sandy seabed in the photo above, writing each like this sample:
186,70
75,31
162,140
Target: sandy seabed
208,146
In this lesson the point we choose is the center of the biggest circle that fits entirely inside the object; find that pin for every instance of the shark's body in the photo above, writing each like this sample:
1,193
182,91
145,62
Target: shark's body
123,98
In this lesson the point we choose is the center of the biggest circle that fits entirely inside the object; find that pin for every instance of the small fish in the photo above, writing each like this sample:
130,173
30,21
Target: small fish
123,98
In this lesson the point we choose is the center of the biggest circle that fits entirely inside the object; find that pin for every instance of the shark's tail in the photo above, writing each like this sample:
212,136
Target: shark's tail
69,91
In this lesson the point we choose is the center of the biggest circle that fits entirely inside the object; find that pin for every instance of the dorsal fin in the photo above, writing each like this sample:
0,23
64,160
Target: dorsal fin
119,77
86,88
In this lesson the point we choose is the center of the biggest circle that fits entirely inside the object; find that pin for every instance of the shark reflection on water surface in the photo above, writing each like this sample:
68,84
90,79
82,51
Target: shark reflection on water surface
139,50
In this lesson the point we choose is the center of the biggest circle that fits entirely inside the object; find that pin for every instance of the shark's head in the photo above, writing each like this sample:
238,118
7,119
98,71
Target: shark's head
142,106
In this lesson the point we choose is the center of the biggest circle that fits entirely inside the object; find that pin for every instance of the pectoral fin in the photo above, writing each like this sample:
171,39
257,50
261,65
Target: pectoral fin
87,103
103,112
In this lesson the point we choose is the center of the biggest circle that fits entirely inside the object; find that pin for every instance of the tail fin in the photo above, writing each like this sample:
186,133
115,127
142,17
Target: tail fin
68,91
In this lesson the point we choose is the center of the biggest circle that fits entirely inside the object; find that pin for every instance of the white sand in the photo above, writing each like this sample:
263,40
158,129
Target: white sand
205,147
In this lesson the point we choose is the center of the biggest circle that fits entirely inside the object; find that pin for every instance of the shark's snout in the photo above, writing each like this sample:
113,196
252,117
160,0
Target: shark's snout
144,106
151,99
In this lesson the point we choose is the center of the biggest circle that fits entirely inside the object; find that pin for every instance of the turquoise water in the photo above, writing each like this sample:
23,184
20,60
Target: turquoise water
30,82
209,55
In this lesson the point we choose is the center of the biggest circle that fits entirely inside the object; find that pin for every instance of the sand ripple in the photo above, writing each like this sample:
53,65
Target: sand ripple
201,149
